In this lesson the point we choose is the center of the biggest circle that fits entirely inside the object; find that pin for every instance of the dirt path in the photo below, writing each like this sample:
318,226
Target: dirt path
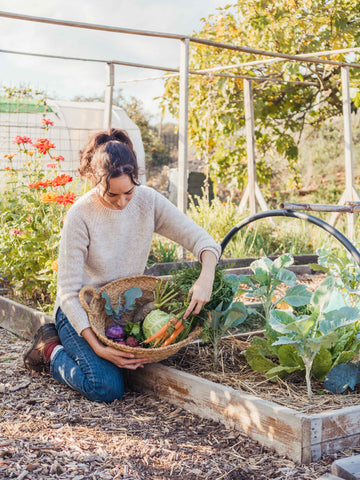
48,431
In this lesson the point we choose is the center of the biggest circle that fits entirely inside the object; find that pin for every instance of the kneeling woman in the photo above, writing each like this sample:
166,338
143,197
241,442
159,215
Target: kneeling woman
107,235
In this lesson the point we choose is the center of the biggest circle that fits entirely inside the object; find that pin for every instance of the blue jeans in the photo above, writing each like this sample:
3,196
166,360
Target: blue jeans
77,366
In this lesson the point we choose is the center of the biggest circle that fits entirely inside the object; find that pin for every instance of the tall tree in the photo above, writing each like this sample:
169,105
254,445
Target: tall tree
216,106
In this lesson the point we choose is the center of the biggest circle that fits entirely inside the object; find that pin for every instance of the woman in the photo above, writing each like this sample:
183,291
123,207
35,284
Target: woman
107,235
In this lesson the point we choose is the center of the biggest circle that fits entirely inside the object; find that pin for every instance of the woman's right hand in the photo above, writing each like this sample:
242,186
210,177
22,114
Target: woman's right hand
121,359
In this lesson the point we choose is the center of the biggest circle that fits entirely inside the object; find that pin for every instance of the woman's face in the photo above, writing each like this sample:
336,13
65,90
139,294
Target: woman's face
121,191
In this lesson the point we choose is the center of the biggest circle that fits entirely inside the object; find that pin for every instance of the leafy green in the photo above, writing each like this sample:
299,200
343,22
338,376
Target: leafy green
342,377
134,330
311,336
119,310
224,287
222,319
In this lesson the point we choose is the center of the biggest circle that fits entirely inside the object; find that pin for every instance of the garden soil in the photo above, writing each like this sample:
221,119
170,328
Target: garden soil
48,431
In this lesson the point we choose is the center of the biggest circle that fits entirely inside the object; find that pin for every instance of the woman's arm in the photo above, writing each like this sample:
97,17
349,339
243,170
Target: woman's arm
117,357
200,292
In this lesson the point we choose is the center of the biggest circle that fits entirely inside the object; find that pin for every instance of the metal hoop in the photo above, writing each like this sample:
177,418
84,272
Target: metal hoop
295,214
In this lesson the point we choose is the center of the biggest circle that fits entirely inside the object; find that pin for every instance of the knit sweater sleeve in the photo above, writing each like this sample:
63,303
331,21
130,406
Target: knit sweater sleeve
173,224
72,253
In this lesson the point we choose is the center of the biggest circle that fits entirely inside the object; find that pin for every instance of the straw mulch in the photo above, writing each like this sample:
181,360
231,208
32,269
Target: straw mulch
48,431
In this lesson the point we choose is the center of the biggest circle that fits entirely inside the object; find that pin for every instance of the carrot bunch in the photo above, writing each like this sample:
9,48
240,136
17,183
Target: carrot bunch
167,334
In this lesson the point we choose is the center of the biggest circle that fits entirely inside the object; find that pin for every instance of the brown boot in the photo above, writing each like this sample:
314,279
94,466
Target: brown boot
34,358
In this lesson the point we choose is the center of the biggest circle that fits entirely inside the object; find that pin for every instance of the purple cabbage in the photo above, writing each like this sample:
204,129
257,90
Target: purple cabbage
116,332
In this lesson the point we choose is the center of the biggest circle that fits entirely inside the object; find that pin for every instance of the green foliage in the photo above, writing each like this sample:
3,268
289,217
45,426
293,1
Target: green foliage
222,319
267,277
262,238
314,340
282,110
216,217
33,205
342,266
134,330
162,250
224,287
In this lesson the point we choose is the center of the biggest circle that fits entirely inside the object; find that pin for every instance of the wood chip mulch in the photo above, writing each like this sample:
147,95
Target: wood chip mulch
48,431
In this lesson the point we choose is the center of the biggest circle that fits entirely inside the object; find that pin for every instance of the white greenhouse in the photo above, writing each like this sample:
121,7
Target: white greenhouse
74,122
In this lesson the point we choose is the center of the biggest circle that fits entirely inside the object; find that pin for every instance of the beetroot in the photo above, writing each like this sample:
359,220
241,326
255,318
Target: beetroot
120,342
132,342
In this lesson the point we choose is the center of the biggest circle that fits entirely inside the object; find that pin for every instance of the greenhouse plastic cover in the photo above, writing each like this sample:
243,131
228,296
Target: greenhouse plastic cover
74,122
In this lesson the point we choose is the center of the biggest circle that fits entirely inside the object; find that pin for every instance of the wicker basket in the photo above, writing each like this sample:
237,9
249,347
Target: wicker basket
99,320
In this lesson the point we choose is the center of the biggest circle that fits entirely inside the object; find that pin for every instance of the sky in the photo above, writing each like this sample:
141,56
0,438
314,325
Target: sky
65,79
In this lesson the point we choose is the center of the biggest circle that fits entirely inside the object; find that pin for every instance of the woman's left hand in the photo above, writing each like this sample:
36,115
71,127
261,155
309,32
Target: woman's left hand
200,292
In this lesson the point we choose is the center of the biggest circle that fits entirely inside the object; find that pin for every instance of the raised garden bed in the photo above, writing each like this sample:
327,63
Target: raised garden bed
300,436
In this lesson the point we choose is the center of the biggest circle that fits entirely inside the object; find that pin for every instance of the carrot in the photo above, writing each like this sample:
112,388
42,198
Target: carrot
161,331
174,335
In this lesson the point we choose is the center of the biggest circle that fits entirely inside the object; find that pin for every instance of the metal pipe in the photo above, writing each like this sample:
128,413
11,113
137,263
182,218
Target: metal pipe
183,126
297,58
274,60
91,26
172,36
108,98
157,67
300,215
250,143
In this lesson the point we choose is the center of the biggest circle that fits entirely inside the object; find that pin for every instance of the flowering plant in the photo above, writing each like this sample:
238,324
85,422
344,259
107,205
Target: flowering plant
33,205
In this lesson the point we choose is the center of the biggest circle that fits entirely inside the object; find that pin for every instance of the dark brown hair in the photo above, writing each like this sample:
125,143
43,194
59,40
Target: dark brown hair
107,156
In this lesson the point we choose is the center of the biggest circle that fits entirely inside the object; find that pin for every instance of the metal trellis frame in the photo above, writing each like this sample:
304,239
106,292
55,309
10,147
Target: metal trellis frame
253,192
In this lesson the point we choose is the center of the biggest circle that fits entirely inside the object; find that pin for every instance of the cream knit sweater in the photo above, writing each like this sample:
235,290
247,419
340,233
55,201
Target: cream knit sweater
100,244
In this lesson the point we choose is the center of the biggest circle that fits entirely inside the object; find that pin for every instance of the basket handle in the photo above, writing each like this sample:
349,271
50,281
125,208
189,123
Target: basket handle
87,290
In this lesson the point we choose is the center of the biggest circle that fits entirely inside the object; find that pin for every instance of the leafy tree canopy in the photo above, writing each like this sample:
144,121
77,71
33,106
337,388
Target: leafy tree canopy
216,107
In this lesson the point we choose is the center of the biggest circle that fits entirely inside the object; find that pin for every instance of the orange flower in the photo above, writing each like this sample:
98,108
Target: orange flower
28,163
61,180
43,145
46,122
21,140
30,152
55,266
51,165
67,199
49,197
58,158
309,244
39,184
10,156
8,168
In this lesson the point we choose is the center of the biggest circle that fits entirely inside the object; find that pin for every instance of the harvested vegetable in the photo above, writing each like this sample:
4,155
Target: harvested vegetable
224,288
132,342
154,322
116,332
179,327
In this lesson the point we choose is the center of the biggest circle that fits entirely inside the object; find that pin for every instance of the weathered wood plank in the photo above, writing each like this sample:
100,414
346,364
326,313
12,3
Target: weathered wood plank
22,320
272,425
347,468
160,269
